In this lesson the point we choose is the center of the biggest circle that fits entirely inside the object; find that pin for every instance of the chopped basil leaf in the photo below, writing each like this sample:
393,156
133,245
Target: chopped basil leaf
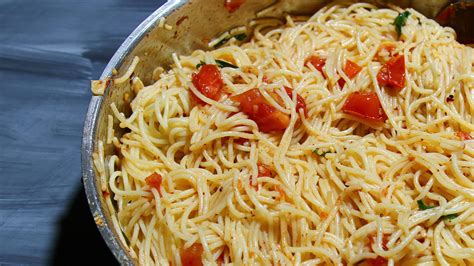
223,64
400,21
449,216
321,153
422,206
221,42
200,64
241,37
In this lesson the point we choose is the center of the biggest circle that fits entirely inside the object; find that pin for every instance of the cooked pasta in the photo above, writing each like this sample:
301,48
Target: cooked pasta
302,146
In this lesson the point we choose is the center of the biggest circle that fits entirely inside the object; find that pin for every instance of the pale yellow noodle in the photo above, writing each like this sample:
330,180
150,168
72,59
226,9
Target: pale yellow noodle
332,209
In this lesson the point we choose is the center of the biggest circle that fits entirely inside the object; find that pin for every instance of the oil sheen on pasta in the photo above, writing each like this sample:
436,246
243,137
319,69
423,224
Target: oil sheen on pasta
336,189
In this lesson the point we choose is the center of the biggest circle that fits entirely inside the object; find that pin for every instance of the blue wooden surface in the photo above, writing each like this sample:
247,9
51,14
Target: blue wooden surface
49,50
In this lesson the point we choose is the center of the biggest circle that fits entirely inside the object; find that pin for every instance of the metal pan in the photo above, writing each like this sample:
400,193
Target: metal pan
193,24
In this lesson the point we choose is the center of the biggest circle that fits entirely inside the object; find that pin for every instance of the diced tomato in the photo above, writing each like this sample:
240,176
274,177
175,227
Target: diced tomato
387,46
265,79
267,117
300,102
220,259
324,215
240,141
463,135
365,105
232,5
351,69
208,81
373,239
392,74
154,181
263,170
379,261
281,192
192,256
317,62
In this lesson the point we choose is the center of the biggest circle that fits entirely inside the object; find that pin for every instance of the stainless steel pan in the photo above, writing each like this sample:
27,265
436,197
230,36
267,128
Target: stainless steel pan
193,23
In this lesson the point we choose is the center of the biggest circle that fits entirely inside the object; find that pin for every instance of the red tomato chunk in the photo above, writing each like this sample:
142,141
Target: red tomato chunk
267,117
463,135
392,74
378,261
208,81
317,62
365,105
192,256
300,103
232,5
351,69
154,181
385,238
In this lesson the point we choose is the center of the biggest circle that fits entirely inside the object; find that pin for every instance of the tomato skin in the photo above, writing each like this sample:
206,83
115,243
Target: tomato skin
154,181
463,135
317,62
271,119
351,69
385,237
365,105
220,259
386,46
267,117
232,5
446,14
300,102
192,256
392,74
263,170
208,81
378,261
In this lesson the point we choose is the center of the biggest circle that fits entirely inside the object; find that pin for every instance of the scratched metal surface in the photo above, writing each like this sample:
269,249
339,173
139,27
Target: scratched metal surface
49,50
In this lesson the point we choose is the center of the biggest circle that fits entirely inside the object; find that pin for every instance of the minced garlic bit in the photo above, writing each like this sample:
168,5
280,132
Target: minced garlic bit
98,86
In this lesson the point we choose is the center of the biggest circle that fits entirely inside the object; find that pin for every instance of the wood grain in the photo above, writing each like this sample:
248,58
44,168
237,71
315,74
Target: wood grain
49,50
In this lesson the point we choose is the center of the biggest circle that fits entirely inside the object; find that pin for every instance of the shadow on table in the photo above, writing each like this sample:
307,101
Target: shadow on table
79,241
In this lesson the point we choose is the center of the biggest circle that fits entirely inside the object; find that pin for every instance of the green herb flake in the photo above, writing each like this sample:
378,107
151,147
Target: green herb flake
200,64
449,216
241,36
223,64
321,153
400,21
422,206
221,42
